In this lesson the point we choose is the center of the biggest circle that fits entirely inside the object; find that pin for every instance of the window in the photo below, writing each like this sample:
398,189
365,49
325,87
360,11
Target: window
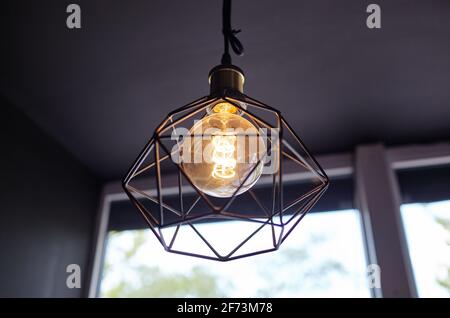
323,257
426,218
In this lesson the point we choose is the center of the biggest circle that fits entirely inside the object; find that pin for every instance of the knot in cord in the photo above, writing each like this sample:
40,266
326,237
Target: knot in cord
229,35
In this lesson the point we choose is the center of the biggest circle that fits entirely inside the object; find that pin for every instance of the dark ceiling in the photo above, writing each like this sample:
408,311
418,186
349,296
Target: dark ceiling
100,91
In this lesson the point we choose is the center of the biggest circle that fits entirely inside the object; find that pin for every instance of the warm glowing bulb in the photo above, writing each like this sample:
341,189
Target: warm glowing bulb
222,151
225,107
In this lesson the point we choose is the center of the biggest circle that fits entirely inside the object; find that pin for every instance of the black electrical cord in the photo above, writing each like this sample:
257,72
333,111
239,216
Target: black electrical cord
229,35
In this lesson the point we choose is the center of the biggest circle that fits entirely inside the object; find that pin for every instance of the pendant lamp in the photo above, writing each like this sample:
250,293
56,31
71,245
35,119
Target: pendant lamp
225,176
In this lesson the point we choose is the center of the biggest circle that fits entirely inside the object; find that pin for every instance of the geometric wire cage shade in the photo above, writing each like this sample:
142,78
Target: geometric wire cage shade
253,222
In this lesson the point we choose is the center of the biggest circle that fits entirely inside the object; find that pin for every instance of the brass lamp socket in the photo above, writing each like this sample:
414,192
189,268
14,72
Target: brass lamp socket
224,77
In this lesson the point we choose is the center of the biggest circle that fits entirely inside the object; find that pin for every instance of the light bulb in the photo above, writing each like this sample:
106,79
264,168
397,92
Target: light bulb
222,151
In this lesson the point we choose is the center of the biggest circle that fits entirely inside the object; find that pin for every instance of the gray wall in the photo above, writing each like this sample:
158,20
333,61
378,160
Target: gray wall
47,211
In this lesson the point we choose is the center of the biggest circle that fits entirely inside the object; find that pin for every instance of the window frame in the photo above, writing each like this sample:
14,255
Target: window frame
378,200
366,163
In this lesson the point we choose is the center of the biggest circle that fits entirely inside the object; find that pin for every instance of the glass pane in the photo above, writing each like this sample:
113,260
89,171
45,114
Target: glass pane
427,229
323,257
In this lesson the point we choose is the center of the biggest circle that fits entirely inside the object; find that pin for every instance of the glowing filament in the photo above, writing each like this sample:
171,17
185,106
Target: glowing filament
223,157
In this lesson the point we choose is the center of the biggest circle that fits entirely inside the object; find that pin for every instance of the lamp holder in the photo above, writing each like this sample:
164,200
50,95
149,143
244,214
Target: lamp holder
226,77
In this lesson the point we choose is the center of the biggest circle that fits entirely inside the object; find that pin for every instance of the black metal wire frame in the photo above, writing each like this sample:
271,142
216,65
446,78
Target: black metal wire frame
276,216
